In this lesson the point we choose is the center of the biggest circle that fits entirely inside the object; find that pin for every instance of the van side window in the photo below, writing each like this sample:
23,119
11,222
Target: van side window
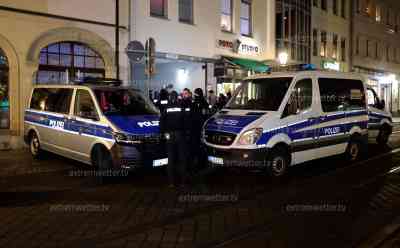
84,106
51,100
341,94
300,98
372,98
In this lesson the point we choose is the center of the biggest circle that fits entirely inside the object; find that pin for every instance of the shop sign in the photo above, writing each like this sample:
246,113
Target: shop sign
239,47
335,66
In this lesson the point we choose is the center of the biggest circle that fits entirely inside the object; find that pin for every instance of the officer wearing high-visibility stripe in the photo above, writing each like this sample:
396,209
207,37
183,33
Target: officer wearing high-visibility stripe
172,127
162,100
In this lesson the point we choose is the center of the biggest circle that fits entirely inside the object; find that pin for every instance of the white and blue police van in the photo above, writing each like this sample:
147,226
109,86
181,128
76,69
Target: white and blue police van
97,122
280,119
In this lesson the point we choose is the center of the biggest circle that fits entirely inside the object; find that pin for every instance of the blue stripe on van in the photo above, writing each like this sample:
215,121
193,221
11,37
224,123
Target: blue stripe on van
292,130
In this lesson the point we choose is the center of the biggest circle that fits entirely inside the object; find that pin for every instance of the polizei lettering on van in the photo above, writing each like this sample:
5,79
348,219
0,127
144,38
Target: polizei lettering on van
56,124
149,124
332,131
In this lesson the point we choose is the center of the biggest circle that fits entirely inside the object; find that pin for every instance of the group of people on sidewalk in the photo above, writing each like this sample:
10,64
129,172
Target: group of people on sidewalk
182,118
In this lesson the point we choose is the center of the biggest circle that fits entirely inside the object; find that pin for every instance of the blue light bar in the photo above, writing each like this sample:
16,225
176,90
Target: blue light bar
308,67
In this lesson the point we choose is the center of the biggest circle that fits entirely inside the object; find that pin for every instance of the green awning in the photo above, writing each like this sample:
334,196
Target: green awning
251,65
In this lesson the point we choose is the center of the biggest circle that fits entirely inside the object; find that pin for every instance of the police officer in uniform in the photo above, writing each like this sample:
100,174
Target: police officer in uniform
199,114
172,128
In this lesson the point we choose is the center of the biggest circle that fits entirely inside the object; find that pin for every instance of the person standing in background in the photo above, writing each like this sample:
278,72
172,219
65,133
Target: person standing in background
172,127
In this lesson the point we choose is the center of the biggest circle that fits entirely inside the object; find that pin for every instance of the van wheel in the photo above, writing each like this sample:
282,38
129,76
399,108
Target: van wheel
278,162
34,146
102,162
354,149
383,136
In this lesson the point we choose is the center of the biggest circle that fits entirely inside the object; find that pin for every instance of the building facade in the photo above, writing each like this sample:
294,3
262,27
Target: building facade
195,39
331,40
376,46
53,41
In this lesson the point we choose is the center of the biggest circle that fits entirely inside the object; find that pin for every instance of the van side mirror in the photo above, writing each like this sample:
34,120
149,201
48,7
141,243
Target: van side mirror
382,104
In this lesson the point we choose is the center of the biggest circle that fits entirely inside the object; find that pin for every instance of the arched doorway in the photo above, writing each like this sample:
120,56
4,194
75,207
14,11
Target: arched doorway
4,92
64,61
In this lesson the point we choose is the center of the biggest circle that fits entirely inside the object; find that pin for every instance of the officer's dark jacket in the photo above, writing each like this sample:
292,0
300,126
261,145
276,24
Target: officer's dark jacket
199,112
172,116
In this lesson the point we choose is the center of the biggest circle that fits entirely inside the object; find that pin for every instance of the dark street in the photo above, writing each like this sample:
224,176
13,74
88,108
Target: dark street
325,203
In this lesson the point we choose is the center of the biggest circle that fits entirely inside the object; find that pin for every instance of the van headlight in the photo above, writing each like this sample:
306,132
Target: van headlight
125,138
250,137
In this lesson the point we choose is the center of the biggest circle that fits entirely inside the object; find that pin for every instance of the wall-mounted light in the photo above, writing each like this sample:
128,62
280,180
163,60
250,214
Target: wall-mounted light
283,58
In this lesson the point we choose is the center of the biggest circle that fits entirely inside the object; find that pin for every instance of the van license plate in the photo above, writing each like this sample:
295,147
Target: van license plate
160,162
215,160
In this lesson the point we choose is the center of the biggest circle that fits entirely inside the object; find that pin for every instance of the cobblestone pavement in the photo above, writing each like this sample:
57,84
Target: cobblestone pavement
326,203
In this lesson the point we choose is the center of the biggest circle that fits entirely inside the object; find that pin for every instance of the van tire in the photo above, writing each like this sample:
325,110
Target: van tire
279,161
383,136
102,162
34,146
355,149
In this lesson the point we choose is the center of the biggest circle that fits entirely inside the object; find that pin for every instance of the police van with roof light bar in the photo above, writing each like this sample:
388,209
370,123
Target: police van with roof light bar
281,119
97,122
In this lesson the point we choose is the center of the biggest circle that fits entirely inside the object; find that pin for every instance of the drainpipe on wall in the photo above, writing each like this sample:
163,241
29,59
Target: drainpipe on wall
117,37
351,43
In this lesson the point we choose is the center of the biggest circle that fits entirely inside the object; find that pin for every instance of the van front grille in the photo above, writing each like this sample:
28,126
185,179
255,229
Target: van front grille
219,138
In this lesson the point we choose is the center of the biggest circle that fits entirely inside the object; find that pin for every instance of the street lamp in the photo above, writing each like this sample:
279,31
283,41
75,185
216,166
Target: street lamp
283,58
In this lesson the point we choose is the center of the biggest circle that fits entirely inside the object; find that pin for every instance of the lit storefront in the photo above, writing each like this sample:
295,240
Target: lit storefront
230,70
385,84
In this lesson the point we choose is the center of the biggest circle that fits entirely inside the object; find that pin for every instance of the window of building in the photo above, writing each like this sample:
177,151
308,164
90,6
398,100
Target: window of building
315,3
376,50
84,105
324,4
368,48
341,94
343,49
226,15
158,8
4,97
186,11
378,14
60,62
335,7
315,42
343,8
323,44
245,17
335,44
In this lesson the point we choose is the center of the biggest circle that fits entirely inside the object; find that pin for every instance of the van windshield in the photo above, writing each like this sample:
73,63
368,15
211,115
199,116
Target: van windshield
124,102
260,94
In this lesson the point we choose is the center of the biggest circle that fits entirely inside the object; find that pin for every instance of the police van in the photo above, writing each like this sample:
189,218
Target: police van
97,122
281,119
